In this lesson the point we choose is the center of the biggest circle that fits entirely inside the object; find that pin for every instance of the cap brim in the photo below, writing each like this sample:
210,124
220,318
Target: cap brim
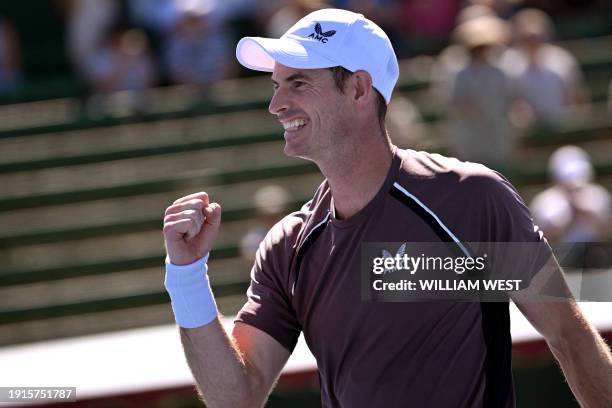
260,54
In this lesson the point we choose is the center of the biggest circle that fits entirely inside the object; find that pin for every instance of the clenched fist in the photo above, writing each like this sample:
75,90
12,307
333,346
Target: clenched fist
191,224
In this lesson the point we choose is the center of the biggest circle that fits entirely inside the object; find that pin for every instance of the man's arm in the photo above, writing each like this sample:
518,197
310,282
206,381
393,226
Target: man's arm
237,370
582,353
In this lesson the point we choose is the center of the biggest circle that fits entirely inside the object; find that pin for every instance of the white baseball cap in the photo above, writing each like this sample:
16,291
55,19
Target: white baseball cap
323,39
571,165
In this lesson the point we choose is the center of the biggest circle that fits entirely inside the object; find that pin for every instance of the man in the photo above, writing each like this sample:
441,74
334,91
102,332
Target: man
306,273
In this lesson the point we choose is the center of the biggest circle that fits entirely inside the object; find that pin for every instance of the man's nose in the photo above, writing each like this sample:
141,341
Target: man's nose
278,103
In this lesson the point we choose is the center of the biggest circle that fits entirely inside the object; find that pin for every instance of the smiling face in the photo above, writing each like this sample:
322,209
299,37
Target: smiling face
312,110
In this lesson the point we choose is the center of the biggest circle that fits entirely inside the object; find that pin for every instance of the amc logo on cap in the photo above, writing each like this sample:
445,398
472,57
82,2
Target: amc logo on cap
321,36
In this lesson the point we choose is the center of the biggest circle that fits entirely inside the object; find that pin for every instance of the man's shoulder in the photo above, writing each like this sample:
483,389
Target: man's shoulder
481,200
433,177
291,228
433,168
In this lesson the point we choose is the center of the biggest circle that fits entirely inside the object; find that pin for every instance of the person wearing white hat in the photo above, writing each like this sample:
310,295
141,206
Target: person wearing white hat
333,74
574,209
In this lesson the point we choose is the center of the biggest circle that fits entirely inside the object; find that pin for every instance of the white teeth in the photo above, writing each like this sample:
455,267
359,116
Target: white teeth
294,124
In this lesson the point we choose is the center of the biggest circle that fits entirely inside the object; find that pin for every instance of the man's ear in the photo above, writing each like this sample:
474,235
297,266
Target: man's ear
362,86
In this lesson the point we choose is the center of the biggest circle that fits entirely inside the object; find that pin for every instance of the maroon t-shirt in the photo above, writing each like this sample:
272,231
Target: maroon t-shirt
306,278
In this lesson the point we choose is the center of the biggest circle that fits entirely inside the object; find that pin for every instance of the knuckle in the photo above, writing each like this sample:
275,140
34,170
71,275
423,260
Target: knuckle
172,209
193,203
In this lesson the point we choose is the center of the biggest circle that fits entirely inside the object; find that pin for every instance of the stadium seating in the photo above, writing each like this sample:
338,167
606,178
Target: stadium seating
82,199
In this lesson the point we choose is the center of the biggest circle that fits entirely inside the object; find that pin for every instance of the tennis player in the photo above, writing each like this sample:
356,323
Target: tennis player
333,74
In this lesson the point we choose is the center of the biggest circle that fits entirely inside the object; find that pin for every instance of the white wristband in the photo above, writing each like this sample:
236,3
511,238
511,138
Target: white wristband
192,299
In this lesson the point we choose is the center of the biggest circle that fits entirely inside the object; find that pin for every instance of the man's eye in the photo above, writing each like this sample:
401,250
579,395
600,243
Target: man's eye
297,84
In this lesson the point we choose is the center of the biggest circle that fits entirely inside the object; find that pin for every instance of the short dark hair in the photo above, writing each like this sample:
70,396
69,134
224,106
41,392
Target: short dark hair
341,74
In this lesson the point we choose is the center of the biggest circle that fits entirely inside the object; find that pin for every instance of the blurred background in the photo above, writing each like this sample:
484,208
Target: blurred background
110,110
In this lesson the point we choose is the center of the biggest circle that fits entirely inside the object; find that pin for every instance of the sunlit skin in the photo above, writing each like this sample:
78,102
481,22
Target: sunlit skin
310,95
341,133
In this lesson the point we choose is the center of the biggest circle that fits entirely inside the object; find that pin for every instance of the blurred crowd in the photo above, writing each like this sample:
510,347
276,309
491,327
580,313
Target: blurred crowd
497,72
574,208
500,76
131,45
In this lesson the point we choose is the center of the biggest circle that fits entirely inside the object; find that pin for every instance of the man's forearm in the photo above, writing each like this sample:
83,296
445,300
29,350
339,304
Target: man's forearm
587,364
224,378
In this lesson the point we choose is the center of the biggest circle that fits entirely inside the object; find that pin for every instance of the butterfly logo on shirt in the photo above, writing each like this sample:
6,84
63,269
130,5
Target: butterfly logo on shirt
400,253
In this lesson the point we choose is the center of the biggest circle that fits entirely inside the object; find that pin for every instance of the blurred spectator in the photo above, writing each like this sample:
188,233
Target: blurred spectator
405,124
504,9
271,204
237,9
290,13
481,95
475,11
160,17
548,77
572,8
388,14
10,57
451,60
413,26
573,209
198,50
123,63
454,58
88,23
156,16
428,23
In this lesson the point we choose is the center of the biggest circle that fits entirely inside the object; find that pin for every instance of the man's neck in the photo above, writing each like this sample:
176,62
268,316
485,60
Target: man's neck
355,178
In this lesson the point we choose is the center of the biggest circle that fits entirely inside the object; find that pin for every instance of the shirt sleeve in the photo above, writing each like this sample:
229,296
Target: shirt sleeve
516,247
268,305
